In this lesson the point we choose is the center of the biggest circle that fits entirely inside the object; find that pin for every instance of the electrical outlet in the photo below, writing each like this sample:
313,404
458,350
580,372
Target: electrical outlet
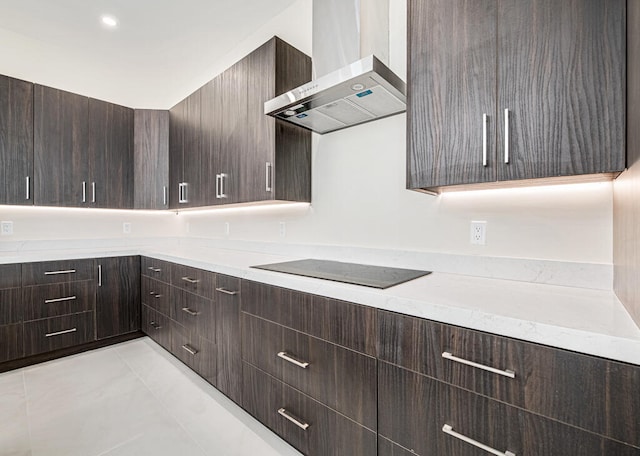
478,232
227,228
126,228
283,229
7,228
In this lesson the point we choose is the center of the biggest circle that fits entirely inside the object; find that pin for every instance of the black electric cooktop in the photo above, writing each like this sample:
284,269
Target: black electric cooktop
357,274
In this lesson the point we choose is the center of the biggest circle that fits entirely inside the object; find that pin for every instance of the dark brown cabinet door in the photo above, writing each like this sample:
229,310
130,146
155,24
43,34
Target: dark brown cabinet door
211,119
61,142
227,299
11,342
157,326
118,296
151,159
452,92
111,155
177,120
194,166
562,77
16,141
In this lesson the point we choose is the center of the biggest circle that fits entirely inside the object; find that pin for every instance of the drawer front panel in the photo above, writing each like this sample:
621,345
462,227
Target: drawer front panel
286,411
156,295
194,312
194,280
227,303
339,378
49,334
156,269
57,272
196,352
11,342
588,392
10,276
11,306
343,323
156,326
47,301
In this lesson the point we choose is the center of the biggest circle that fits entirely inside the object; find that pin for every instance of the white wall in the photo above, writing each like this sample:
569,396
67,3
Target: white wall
359,195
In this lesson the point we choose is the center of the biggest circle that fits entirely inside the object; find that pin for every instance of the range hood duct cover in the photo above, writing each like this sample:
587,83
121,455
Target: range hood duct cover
350,56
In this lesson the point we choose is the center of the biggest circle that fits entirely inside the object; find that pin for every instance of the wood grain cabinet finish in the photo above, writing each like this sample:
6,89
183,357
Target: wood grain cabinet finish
117,296
342,379
58,299
343,323
195,351
46,272
151,159
195,313
61,143
11,306
157,326
521,90
156,269
584,391
413,409
60,332
228,336
10,276
177,120
16,141
110,155
11,342
193,280
156,295
327,432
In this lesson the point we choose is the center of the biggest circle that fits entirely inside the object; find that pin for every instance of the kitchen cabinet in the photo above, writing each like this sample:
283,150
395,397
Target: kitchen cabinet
51,334
118,296
520,90
228,340
11,313
110,155
16,141
151,159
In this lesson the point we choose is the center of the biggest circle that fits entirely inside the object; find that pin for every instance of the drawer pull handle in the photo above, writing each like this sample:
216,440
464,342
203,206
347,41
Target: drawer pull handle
151,268
190,312
190,280
59,333
292,360
300,424
449,430
68,298
68,271
157,296
191,350
225,291
155,325
506,373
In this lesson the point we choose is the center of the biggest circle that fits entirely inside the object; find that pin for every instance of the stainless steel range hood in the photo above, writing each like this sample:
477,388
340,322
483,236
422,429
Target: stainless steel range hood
351,90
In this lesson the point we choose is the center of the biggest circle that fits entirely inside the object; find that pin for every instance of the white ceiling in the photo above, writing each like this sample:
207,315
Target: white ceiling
158,47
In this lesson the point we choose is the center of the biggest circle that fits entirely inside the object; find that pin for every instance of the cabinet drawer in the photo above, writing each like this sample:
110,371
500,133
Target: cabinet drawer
195,280
340,378
11,306
57,271
156,326
156,269
343,323
60,332
327,432
585,391
11,342
195,351
413,410
194,312
10,276
47,301
156,295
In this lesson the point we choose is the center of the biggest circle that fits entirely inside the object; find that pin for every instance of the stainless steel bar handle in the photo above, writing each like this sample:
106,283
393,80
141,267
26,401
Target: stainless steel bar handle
67,271
151,268
225,291
155,325
28,193
217,185
99,275
485,121
505,373
68,298
190,280
300,424
506,136
84,192
223,193
93,192
292,360
189,311
449,431
157,296
185,192
59,333
190,349
164,195
268,176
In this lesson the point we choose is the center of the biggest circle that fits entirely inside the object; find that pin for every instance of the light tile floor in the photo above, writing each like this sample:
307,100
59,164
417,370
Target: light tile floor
131,399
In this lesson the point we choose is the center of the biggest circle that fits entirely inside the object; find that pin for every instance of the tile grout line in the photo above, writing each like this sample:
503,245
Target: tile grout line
26,409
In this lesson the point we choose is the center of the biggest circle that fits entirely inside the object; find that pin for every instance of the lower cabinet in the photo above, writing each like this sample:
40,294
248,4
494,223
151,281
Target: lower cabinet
227,299
156,326
195,351
50,334
11,342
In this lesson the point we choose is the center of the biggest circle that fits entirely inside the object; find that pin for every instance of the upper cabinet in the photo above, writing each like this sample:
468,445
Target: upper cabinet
16,141
510,90
151,159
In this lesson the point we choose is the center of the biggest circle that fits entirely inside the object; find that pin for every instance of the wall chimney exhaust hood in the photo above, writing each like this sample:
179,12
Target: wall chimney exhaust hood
350,90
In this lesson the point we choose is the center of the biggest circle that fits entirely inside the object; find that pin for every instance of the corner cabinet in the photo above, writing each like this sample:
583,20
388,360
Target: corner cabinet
512,90
151,159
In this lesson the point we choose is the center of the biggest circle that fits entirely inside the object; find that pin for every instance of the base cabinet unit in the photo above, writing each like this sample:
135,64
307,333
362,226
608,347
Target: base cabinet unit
50,334
228,340
156,325
11,313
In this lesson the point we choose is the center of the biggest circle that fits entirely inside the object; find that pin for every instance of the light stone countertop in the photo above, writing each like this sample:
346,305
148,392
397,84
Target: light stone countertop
583,320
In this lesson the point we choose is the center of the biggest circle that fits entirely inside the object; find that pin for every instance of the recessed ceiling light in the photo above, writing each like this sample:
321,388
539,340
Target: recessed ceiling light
109,21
